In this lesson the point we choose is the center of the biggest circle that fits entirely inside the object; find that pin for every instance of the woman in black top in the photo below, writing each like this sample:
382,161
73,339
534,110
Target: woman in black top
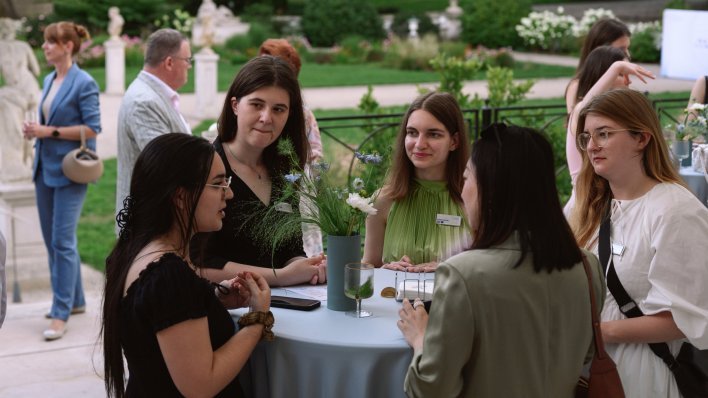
262,107
169,322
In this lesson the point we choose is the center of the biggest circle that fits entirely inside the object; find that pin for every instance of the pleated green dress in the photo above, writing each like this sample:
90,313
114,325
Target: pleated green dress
413,226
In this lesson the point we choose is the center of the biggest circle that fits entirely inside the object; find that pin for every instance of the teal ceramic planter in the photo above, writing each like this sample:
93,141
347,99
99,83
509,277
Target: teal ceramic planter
341,250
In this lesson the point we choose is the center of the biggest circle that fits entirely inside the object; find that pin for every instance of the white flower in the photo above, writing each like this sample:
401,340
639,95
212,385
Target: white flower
363,204
358,184
697,107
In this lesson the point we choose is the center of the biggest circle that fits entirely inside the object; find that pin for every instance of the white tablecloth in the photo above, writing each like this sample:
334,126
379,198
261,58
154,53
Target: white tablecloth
326,354
696,183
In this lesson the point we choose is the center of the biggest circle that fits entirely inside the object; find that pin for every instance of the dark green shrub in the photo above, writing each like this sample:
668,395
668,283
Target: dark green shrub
258,12
326,22
492,23
139,15
400,24
644,46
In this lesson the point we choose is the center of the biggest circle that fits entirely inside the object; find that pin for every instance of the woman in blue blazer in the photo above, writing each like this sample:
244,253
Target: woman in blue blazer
69,103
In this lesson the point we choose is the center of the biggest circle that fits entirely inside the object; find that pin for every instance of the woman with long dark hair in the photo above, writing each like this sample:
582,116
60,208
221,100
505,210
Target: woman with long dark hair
169,322
511,316
263,107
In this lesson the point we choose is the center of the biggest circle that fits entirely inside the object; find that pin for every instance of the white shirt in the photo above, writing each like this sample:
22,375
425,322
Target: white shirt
664,267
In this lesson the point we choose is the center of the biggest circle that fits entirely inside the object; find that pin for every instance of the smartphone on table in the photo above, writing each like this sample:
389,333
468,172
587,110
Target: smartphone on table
294,303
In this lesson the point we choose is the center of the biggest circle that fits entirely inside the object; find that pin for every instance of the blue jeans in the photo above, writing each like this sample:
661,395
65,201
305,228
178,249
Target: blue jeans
59,211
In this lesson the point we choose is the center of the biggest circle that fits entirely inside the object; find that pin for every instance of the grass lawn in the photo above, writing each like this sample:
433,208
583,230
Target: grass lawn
330,75
96,228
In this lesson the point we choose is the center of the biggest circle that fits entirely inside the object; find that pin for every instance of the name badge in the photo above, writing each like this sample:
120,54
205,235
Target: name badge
617,249
284,207
447,219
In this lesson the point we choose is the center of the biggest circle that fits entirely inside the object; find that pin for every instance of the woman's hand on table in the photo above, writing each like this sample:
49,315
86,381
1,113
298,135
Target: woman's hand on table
259,291
413,322
233,293
406,265
311,270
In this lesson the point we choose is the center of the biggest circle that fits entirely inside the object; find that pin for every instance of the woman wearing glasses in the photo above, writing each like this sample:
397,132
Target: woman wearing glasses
155,299
605,68
263,107
656,238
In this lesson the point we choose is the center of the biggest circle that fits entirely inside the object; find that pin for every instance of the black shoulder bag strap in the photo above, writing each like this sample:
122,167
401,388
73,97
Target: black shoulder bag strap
626,305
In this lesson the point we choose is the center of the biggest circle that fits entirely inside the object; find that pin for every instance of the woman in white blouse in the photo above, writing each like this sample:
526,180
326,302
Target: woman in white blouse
659,237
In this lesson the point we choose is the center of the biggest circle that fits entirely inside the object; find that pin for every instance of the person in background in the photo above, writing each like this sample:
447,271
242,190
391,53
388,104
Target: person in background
311,234
171,324
69,105
150,106
510,316
262,107
597,64
658,230
605,32
420,219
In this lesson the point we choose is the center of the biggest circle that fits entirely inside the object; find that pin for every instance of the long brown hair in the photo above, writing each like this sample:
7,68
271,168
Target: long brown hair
445,108
631,110
602,33
598,62
268,71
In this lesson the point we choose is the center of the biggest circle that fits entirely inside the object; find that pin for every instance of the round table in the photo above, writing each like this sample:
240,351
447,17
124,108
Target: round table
324,353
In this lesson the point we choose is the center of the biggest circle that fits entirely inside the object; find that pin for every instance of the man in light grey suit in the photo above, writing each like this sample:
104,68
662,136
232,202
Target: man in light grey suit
150,106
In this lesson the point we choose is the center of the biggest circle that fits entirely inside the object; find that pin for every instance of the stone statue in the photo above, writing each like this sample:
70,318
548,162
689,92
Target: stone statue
214,25
206,16
19,97
115,23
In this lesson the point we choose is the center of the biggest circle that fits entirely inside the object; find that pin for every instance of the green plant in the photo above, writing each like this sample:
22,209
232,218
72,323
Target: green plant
646,42
338,210
693,125
502,89
326,22
453,72
178,20
491,23
139,15
411,54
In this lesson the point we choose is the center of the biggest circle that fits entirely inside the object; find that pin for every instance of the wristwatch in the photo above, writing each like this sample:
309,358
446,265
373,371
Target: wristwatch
55,133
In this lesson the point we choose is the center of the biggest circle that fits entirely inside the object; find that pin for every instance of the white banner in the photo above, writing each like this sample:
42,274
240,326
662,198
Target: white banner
684,44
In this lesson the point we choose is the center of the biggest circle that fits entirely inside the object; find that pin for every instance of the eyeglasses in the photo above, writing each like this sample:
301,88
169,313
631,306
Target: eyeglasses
599,137
189,60
226,186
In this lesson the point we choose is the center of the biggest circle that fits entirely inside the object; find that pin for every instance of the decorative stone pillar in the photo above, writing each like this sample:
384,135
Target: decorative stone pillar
26,261
205,83
115,66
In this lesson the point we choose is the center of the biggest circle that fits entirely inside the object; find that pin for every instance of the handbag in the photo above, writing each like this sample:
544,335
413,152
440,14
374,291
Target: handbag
690,367
82,165
604,381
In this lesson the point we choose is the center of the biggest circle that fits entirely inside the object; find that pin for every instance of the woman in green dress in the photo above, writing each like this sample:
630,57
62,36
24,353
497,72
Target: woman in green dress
420,219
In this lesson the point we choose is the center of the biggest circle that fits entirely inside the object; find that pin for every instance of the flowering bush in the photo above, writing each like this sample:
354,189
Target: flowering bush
557,32
93,54
179,20
338,210
646,41
547,30
590,16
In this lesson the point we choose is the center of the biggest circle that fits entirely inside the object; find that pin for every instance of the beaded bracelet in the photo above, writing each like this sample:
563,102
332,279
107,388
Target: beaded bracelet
264,318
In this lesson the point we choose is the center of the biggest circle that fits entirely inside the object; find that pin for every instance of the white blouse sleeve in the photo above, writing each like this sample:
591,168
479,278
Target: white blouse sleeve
678,272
